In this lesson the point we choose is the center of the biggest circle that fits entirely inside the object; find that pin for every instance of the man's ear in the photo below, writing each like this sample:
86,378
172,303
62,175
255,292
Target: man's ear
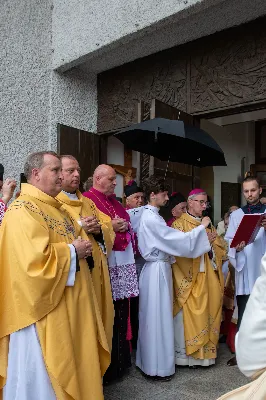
35,174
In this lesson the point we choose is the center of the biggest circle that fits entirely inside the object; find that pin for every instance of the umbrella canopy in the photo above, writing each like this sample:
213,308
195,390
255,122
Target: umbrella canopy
173,140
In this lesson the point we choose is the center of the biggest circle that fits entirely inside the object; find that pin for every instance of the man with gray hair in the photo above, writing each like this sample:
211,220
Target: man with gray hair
198,292
51,333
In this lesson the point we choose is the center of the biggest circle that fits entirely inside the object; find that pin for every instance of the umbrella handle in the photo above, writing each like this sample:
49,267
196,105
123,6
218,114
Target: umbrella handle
156,134
167,165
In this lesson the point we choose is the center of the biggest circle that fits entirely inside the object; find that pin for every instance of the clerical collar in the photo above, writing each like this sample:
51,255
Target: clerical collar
193,216
254,208
71,196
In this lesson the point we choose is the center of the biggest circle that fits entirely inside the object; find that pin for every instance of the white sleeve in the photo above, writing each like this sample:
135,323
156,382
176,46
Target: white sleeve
251,338
237,259
135,215
73,266
155,234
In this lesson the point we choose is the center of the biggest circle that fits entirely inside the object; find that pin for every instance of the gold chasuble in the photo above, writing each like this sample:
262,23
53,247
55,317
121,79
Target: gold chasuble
34,267
84,207
199,294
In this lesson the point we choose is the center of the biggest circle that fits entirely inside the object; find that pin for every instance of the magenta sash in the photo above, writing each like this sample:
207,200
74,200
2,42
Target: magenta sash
110,206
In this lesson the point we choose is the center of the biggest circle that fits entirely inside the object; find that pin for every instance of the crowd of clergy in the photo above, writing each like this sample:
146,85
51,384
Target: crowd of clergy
86,279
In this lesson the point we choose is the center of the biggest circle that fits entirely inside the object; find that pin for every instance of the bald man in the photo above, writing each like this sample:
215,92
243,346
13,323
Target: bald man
122,266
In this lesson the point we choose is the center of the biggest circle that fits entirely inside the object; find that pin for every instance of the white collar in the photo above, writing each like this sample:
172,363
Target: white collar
71,196
197,218
153,208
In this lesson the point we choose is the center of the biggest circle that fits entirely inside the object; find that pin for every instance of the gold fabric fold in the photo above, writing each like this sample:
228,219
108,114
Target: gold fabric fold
84,207
200,295
34,267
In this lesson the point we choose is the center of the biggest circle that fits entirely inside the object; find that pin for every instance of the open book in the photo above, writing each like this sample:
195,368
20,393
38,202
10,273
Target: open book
248,229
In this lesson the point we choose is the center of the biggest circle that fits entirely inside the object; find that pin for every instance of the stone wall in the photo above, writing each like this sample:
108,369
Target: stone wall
25,54
73,101
34,98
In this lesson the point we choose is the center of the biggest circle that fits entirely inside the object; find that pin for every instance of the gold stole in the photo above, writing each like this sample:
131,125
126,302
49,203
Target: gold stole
84,207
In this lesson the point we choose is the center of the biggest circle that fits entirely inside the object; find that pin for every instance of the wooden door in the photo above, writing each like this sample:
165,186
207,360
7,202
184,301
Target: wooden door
88,148
144,160
230,195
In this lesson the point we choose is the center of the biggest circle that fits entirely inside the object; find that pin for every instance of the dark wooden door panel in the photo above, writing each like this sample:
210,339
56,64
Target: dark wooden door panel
88,148
68,140
230,196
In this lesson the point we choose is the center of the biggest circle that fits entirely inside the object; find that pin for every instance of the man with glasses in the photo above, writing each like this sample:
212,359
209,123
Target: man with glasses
198,292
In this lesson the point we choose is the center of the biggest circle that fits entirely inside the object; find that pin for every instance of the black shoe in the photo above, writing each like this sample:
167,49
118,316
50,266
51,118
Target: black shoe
232,362
158,378
223,339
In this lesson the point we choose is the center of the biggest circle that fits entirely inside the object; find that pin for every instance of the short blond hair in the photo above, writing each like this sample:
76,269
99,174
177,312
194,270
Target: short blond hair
36,160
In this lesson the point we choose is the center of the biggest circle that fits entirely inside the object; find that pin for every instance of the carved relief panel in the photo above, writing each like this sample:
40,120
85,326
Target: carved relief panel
229,69
216,72
120,89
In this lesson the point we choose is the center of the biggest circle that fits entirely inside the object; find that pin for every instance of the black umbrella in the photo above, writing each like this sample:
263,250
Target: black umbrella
173,140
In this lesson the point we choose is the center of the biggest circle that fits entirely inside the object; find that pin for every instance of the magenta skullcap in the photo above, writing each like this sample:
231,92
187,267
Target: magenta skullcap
195,192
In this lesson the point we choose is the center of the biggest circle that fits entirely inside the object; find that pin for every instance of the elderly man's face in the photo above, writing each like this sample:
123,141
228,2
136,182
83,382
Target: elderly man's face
197,205
107,182
179,209
135,200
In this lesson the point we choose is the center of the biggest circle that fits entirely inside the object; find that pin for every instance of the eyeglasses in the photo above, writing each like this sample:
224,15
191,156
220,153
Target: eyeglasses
203,203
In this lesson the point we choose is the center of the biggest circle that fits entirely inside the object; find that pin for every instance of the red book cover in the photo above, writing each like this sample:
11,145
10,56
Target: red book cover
248,229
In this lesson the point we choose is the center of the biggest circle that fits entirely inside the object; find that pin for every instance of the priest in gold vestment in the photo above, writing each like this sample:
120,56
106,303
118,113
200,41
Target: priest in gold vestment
97,227
52,340
198,293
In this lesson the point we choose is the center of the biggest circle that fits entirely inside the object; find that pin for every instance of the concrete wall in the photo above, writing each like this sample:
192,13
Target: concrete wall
108,33
25,53
34,98
73,101
84,27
